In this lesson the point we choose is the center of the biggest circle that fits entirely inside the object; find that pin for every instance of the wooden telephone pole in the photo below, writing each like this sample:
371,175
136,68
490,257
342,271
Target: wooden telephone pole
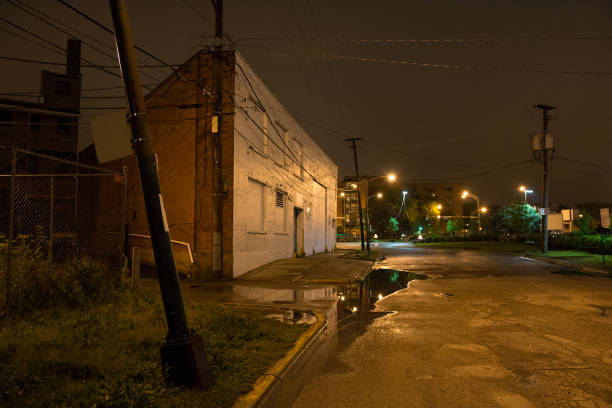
545,148
217,139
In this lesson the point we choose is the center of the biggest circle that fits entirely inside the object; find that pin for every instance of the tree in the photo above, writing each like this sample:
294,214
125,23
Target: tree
584,221
453,225
520,218
393,226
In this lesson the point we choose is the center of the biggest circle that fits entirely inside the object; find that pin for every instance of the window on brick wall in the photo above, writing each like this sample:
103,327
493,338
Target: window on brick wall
256,208
281,210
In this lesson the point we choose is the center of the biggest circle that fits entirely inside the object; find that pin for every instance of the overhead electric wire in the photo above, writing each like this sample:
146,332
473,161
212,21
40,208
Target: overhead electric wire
62,53
108,30
599,166
332,74
481,173
54,45
37,93
286,31
275,128
199,13
466,40
46,18
328,96
41,62
460,67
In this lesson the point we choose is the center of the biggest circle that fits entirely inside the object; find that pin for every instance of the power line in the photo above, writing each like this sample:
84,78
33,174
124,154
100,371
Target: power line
37,93
32,41
466,40
42,62
481,173
460,67
275,128
200,14
54,45
286,31
600,166
108,30
46,19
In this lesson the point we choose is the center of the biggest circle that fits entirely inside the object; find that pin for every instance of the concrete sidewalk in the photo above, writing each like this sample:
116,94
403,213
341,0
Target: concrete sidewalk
335,267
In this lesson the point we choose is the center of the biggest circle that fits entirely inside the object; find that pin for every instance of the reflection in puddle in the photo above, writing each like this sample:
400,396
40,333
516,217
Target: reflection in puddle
355,297
294,317
341,302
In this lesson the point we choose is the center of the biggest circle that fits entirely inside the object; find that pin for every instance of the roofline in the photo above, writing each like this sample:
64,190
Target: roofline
25,106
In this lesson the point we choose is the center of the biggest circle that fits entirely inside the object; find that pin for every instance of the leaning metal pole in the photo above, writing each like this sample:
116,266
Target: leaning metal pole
182,354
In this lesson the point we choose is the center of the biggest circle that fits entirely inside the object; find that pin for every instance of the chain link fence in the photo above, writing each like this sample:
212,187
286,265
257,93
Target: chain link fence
54,210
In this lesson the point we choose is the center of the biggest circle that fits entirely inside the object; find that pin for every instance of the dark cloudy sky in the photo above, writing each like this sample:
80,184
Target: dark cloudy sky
421,122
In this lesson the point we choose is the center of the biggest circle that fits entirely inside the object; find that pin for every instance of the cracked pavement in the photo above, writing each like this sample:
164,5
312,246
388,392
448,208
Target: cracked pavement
485,330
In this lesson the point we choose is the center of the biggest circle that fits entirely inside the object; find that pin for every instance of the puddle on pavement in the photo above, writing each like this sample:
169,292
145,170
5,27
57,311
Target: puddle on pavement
376,286
341,302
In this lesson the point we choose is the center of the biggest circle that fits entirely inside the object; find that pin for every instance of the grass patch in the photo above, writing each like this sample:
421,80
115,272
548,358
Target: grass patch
107,355
579,258
490,246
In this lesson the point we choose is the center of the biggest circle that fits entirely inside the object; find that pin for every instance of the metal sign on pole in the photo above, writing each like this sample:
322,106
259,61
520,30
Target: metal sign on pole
604,216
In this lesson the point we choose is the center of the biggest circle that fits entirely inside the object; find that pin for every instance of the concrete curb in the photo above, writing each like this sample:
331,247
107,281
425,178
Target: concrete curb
587,270
265,382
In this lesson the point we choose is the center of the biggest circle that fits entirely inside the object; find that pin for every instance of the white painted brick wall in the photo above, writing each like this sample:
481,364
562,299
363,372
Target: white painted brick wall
276,171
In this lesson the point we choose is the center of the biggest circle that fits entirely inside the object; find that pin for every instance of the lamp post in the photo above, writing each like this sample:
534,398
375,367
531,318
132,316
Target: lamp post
369,217
391,177
467,194
526,191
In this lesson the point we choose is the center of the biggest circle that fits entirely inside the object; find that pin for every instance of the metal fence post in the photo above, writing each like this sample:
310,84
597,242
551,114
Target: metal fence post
51,215
135,267
124,247
11,228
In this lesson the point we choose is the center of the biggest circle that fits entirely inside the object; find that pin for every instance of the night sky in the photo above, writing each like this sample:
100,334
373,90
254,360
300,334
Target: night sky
425,123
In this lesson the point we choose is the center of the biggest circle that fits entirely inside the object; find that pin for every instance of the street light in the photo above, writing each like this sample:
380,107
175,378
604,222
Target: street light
526,191
391,177
467,194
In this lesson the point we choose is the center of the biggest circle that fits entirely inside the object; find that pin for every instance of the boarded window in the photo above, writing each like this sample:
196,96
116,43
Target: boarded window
256,212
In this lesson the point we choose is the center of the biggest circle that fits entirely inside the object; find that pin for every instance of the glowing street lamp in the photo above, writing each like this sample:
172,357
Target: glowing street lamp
526,191
467,194
484,210
390,177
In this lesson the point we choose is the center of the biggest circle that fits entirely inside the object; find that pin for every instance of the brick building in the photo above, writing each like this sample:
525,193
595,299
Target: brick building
279,199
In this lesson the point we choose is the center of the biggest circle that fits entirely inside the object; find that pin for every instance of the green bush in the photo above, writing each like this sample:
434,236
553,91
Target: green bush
36,283
579,241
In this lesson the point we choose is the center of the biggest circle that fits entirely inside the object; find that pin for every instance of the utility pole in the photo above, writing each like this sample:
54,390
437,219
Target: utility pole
545,147
353,140
217,138
183,354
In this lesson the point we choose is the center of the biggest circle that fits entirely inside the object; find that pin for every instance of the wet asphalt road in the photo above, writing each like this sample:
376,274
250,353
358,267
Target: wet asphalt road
484,331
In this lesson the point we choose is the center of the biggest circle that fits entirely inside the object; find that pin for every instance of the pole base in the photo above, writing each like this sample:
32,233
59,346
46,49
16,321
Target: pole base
186,363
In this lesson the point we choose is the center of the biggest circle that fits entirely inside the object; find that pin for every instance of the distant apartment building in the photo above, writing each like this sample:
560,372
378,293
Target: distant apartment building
279,196
348,226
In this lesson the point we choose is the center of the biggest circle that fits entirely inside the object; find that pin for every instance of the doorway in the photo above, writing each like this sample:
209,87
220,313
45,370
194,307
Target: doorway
298,232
